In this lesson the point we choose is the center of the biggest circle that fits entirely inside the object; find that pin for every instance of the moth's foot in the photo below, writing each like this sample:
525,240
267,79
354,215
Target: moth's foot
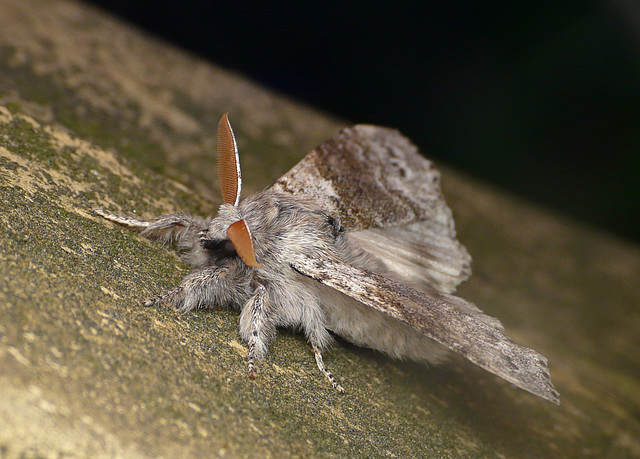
150,302
325,372
169,296
251,368
251,371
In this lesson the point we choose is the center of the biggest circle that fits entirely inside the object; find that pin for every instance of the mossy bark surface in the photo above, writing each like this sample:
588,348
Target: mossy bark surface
95,114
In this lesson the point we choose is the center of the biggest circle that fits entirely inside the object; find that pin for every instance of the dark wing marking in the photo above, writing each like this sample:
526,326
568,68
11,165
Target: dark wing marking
372,177
441,318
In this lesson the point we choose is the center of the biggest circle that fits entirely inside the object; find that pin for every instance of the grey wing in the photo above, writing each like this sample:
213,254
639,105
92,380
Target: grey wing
441,317
418,255
388,197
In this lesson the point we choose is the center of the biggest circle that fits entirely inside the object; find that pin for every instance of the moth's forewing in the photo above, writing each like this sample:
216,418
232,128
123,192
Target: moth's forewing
441,318
372,177
388,197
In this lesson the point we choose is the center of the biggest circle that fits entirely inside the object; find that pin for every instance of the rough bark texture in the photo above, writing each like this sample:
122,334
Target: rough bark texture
95,114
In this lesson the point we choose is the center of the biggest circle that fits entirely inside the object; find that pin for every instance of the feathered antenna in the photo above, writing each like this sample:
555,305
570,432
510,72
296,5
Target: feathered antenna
239,234
231,184
228,163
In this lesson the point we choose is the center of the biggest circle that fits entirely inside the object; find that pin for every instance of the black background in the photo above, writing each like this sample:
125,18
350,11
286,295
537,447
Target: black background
541,98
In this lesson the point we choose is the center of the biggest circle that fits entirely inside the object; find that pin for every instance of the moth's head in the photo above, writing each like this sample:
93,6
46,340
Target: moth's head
267,228
237,240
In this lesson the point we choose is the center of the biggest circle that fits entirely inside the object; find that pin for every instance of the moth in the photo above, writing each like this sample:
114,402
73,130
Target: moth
356,240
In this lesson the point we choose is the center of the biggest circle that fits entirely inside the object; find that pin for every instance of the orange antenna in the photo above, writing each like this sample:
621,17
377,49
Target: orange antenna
239,234
229,174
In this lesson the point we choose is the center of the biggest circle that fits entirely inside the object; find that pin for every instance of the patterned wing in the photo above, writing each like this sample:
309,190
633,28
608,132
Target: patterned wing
388,197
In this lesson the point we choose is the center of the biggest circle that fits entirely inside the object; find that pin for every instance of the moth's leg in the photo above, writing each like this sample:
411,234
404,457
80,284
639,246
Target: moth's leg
198,289
120,220
258,327
168,296
166,228
325,372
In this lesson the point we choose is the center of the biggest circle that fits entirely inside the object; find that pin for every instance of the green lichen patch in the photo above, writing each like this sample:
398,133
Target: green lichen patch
78,175
68,105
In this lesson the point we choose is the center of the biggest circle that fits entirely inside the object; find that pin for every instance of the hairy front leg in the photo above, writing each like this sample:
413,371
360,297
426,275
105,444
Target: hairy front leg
168,228
205,288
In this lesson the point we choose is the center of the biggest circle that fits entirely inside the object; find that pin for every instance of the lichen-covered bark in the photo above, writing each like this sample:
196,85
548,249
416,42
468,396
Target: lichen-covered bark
92,113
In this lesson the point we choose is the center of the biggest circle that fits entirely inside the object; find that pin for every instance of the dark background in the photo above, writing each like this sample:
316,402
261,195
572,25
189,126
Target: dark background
541,98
